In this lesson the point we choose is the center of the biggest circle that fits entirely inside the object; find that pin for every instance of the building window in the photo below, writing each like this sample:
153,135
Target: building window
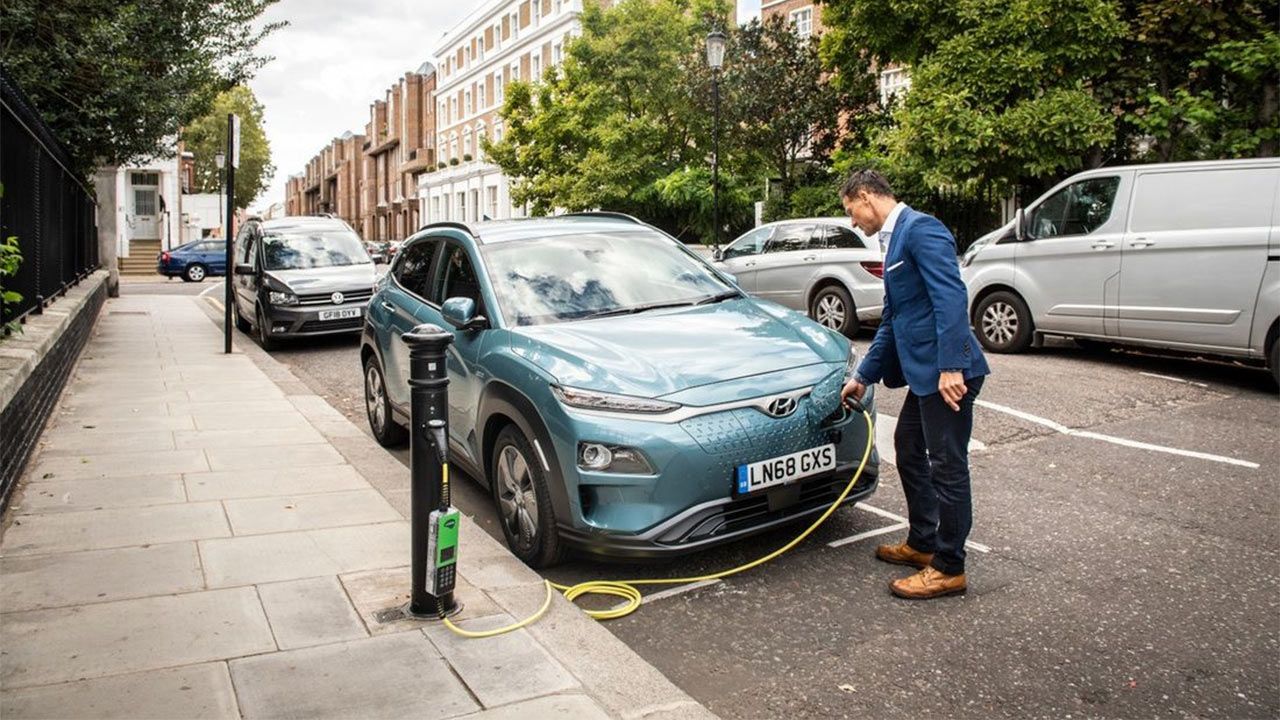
435,210
515,71
802,19
475,205
497,131
453,108
453,146
462,206
535,66
480,99
467,101
537,11
466,143
556,51
894,83
497,88
492,203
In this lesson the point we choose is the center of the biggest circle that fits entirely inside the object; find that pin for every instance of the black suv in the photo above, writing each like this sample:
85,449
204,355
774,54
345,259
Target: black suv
300,276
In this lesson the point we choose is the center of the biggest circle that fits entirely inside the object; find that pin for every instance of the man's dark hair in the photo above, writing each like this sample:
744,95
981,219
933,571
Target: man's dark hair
869,180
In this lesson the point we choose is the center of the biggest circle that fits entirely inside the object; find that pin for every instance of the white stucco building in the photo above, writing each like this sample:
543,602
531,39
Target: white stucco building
502,41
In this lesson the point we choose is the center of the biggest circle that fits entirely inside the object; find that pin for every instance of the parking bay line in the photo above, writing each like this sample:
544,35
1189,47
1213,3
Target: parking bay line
211,288
885,425
672,592
868,534
903,521
1173,379
1089,435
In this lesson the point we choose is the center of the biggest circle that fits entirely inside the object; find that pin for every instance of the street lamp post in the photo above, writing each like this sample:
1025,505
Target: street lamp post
220,160
715,60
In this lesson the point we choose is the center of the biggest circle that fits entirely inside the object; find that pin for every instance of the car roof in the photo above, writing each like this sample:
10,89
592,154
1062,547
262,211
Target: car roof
497,231
302,221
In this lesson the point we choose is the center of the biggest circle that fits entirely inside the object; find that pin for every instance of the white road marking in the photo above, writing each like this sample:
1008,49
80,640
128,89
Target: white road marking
1063,429
895,516
868,534
885,425
672,592
1173,379
216,301
211,288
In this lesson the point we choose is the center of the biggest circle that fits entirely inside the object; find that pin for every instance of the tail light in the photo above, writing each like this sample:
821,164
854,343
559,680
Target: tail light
164,257
875,268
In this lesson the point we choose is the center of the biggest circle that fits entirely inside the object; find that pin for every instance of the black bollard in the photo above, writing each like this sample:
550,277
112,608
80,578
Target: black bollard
428,452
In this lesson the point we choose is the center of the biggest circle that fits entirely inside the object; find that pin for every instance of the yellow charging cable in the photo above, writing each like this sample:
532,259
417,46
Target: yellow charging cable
627,590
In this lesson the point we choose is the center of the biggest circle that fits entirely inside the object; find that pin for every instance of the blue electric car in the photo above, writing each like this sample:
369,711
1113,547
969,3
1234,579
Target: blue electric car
616,393
194,261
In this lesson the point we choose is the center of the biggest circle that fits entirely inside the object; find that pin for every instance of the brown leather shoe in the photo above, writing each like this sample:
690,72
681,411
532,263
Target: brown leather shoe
903,554
928,583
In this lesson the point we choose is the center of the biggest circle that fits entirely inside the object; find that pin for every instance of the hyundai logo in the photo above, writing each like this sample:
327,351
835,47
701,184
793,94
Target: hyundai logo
337,298
782,406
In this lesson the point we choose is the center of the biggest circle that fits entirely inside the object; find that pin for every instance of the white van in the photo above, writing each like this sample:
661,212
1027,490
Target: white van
1183,256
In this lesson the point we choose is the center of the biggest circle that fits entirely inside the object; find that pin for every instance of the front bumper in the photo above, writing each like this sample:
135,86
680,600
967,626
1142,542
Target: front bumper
304,320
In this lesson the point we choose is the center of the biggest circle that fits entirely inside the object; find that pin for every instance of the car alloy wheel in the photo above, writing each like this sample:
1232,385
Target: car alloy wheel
832,307
195,272
385,429
517,498
1000,322
831,312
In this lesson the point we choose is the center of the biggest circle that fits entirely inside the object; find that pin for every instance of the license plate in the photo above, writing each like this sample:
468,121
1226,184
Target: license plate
340,314
781,470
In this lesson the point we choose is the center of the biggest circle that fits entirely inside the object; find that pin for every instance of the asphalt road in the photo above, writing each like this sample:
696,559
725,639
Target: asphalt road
1124,577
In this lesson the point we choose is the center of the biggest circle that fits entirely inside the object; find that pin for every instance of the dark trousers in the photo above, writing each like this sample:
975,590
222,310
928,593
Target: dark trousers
932,443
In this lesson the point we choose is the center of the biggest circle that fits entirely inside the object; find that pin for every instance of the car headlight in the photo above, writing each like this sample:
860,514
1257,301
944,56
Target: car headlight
596,457
591,400
282,298
851,365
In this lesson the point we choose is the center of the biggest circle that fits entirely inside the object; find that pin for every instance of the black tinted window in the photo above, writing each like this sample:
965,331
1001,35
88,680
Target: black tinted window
1077,209
789,238
458,277
836,237
414,270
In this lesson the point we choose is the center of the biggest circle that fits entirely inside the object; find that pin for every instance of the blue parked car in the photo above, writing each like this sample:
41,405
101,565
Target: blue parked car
194,261
616,393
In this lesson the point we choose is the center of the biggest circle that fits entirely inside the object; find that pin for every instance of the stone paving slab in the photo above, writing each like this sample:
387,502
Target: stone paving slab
118,464
393,676
133,421
267,483
119,527
503,669
273,456
57,496
254,559
568,707
258,421
78,440
196,692
375,592
46,581
255,516
314,611
246,438
51,646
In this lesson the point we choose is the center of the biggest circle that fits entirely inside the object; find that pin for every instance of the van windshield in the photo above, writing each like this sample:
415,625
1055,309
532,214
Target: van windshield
303,248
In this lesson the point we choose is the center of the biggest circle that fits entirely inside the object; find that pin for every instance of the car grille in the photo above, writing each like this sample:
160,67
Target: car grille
354,297
343,324
748,435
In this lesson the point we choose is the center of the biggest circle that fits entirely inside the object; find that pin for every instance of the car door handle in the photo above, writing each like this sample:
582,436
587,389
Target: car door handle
810,258
1102,245
1141,243
749,264
387,306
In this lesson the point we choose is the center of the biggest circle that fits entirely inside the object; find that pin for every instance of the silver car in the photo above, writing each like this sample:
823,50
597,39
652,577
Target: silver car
820,266
1182,256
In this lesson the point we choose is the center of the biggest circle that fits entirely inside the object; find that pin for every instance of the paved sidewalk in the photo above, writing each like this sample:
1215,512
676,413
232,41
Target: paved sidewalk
200,536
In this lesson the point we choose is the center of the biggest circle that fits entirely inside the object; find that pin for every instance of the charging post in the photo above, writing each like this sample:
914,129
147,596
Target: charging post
435,523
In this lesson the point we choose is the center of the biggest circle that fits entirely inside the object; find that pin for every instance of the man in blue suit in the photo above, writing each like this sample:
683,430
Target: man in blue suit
925,343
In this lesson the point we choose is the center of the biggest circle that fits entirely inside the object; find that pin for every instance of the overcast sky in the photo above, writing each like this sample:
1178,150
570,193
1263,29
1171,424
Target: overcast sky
335,58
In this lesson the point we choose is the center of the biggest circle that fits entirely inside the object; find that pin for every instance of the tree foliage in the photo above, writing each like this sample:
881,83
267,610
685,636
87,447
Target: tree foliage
116,80
207,135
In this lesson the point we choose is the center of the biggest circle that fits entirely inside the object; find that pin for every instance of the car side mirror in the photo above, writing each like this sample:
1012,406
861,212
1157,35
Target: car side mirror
1020,224
461,313
245,269
717,254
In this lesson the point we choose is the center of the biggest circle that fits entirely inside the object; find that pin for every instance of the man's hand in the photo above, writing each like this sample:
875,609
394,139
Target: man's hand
852,389
951,387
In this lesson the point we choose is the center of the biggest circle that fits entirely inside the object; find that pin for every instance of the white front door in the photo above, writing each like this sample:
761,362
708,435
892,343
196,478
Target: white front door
144,206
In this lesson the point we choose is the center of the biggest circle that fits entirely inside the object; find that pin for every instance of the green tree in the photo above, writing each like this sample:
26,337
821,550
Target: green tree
1002,90
206,136
625,122
116,80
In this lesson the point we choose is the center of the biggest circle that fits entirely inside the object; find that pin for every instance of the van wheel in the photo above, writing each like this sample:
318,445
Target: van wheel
832,308
267,342
378,407
523,500
1004,323
242,324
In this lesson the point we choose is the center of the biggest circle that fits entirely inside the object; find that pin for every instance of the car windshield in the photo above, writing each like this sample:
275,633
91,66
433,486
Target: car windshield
298,248
572,277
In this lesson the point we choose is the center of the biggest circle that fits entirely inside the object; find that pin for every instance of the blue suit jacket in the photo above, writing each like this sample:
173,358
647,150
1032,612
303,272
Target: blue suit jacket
924,327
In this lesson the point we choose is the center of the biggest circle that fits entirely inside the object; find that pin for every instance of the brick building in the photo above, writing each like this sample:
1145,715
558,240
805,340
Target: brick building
806,15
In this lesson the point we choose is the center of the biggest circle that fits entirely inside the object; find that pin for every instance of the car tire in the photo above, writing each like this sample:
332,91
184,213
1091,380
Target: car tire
242,324
195,272
377,406
1275,361
519,481
267,342
1003,323
833,308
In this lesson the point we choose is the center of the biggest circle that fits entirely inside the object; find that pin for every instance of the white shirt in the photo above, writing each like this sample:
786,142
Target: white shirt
886,230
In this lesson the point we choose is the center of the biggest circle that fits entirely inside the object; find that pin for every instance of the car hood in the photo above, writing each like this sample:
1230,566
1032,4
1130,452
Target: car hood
328,279
661,352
